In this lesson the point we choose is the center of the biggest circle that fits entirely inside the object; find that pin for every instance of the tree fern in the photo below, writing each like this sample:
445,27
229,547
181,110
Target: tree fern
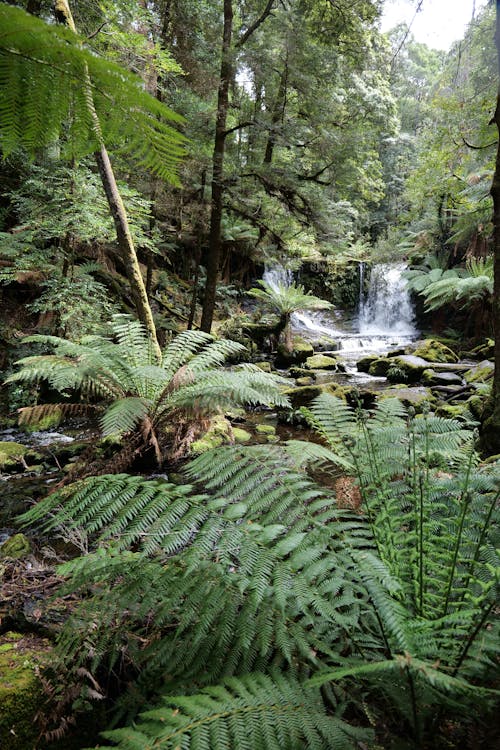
164,404
42,80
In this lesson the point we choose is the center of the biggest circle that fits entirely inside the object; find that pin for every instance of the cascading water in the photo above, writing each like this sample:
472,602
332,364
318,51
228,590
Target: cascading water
385,317
387,308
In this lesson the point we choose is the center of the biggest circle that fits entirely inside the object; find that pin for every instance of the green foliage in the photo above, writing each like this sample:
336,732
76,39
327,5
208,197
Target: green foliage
266,712
44,97
434,581
159,403
288,299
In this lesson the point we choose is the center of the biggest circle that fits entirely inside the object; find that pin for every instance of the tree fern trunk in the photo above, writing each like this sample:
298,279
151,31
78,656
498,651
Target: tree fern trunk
115,202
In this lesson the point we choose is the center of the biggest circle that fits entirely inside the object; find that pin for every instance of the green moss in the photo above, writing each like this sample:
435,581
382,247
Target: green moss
379,367
265,429
48,422
11,453
321,362
240,435
308,380
480,374
264,366
451,410
301,350
434,351
364,363
21,694
15,547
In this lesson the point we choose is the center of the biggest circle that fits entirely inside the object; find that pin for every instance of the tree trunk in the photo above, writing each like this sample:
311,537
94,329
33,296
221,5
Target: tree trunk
115,202
278,113
490,437
214,246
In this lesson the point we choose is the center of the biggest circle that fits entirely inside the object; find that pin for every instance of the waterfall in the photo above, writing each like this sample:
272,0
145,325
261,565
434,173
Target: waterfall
385,317
387,308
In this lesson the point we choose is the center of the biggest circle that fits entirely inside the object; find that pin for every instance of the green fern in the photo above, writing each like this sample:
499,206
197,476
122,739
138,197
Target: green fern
162,405
42,80
256,711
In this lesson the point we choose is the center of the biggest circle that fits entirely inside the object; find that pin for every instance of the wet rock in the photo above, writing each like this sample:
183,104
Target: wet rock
363,365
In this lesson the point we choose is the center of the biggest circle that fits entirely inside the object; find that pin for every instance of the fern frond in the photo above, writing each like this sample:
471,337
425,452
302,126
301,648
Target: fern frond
256,711
42,80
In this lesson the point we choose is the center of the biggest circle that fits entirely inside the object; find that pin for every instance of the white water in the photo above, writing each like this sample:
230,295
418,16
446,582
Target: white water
385,317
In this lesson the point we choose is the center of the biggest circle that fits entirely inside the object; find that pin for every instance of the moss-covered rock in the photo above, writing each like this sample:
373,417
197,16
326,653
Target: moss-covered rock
265,429
416,397
21,694
410,365
434,351
11,453
452,411
48,422
379,367
15,547
484,351
264,366
301,372
240,435
321,362
300,351
481,373
363,364
308,380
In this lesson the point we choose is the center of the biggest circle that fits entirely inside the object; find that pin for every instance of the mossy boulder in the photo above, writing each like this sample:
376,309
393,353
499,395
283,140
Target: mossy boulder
50,421
240,435
298,354
481,373
301,372
21,695
11,453
218,433
308,380
410,366
452,411
265,429
434,351
264,366
379,367
417,397
321,362
15,547
363,364
431,377
484,351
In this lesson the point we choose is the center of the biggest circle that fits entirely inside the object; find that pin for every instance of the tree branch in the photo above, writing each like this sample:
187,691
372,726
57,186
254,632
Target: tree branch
248,33
240,126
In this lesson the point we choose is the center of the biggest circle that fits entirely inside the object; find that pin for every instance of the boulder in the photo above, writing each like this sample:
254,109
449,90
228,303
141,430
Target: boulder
434,351
305,380
363,365
417,397
481,373
264,366
321,362
301,350
379,366
431,377
411,366
11,453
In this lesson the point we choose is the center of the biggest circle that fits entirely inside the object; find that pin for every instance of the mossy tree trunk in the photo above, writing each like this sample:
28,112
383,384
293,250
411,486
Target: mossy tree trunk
491,426
115,202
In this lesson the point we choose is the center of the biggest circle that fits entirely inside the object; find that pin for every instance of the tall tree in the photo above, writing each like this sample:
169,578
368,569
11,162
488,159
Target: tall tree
116,205
491,426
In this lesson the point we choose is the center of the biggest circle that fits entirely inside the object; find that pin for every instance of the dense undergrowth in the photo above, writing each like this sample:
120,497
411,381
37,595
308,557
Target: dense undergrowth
244,608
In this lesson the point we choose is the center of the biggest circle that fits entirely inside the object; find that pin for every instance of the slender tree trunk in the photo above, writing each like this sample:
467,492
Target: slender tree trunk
491,428
115,202
214,246
278,114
